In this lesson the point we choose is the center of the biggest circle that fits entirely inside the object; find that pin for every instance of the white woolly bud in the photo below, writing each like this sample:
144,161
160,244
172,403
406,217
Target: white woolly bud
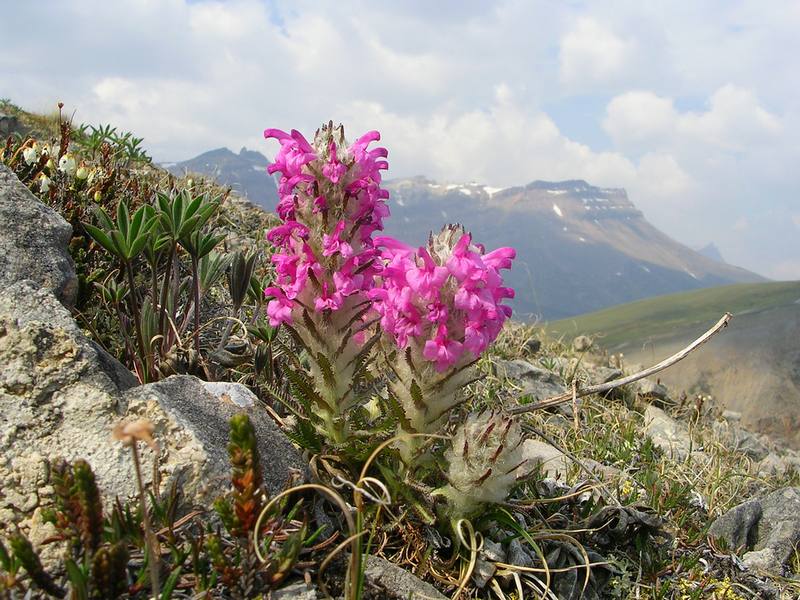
483,462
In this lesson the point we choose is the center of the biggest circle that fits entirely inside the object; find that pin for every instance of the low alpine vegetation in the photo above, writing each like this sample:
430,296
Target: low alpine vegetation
388,365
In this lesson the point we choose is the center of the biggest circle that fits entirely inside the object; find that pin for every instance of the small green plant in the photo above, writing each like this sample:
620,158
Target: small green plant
104,551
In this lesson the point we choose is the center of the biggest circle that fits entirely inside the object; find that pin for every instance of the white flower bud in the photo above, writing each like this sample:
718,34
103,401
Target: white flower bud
31,154
483,462
44,183
67,165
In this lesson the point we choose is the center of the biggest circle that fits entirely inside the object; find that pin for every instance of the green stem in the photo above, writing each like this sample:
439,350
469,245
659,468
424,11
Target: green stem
196,290
137,321
164,291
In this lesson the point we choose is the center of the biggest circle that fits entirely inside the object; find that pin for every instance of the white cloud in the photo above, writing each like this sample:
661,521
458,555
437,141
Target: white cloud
661,177
733,121
504,144
591,53
701,99
741,224
639,117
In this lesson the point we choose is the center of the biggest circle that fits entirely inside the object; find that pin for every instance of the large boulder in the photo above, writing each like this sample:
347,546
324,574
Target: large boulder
670,435
768,529
61,395
33,243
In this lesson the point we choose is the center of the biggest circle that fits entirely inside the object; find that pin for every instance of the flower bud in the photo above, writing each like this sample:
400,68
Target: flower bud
483,462
82,173
67,164
44,183
31,154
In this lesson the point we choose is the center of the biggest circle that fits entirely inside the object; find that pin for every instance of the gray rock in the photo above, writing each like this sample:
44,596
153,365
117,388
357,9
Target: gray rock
779,463
193,426
295,591
555,464
231,393
778,531
667,433
582,343
647,388
518,555
34,241
398,583
60,395
738,526
741,439
533,381
731,415
769,528
600,374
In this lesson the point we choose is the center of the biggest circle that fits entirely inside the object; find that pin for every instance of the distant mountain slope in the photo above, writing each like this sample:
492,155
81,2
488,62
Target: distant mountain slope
752,367
245,172
711,251
579,247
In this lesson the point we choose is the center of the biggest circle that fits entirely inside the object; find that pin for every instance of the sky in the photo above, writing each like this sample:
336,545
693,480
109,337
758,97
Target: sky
693,107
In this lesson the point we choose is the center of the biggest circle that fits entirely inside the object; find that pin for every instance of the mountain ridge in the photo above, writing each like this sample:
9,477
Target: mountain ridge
580,247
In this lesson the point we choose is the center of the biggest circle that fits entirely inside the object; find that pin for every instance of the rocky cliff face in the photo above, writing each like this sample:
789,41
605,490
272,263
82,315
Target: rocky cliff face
579,247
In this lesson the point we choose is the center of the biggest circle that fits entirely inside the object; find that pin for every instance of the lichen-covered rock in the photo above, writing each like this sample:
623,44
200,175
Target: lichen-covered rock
191,426
768,528
33,244
61,395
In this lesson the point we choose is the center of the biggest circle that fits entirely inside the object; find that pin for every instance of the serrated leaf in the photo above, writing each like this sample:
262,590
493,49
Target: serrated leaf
304,390
416,396
327,370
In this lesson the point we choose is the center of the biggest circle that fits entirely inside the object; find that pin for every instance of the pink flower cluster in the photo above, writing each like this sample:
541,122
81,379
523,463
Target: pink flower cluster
330,203
447,297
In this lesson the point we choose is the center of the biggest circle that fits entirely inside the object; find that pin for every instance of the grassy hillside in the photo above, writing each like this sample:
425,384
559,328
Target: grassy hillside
668,317
753,367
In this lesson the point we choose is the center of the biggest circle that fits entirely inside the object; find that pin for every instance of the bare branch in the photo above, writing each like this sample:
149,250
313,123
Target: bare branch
604,387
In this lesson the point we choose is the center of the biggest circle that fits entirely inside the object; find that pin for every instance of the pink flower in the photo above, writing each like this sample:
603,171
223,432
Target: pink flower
330,203
279,309
333,243
442,350
443,298
333,169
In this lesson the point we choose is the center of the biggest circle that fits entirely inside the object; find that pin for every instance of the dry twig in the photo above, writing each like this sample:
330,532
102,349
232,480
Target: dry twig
605,387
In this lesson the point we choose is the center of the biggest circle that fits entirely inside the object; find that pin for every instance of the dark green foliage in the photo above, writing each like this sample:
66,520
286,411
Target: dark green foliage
109,571
247,479
29,560
89,506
